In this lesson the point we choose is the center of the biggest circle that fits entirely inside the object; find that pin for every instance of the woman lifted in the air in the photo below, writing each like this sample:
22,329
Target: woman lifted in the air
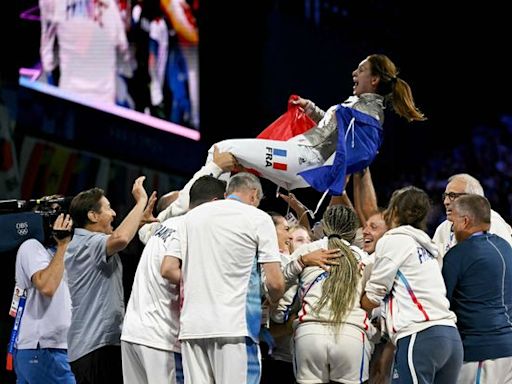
344,140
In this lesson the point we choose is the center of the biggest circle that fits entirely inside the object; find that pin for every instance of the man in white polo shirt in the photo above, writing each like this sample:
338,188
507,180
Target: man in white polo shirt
221,246
150,348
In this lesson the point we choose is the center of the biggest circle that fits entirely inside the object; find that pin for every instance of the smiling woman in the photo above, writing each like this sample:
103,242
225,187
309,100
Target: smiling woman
344,140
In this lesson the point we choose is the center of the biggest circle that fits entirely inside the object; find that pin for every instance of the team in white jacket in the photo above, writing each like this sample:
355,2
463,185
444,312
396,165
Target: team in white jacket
407,278
347,348
327,348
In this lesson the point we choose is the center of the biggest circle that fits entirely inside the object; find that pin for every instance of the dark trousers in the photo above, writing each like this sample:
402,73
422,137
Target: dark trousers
433,356
101,366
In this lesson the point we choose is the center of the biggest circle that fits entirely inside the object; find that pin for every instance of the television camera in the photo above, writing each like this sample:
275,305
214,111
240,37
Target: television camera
25,219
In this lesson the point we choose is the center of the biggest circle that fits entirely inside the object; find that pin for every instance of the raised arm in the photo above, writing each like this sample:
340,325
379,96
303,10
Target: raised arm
365,198
343,199
316,114
300,209
125,232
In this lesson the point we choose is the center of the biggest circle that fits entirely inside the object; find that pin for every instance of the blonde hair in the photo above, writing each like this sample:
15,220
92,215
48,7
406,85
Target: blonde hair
296,227
340,224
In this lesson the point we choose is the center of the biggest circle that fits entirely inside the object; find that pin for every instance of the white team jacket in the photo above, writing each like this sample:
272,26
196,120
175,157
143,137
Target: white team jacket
310,290
407,278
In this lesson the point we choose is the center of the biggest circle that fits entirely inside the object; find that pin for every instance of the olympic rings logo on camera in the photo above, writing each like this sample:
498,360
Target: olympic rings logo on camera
22,228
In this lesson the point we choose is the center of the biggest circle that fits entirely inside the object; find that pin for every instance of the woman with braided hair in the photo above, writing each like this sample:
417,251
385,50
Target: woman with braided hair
344,140
332,332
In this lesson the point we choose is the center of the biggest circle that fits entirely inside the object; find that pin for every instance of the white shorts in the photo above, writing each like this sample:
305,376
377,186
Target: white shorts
235,360
324,353
497,371
146,365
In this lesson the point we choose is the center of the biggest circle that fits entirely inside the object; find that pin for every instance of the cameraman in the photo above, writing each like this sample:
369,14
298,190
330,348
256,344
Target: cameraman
41,344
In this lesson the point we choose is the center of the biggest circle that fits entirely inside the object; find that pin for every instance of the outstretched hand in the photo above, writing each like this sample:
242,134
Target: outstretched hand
138,191
147,215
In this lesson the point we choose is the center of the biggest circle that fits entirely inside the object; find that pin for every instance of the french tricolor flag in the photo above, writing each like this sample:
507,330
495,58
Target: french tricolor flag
279,154
359,140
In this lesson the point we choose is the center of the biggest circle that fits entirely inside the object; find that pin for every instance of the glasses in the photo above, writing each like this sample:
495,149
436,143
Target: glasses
452,195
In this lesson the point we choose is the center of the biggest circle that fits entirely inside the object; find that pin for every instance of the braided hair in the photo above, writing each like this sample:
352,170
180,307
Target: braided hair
340,224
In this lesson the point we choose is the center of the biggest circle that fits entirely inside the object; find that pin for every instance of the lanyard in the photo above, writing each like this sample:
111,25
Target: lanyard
15,329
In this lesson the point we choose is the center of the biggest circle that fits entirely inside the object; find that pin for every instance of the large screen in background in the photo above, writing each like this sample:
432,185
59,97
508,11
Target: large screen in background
137,59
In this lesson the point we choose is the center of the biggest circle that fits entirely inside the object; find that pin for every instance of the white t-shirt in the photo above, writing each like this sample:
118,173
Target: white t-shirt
46,320
445,238
153,311
220,244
